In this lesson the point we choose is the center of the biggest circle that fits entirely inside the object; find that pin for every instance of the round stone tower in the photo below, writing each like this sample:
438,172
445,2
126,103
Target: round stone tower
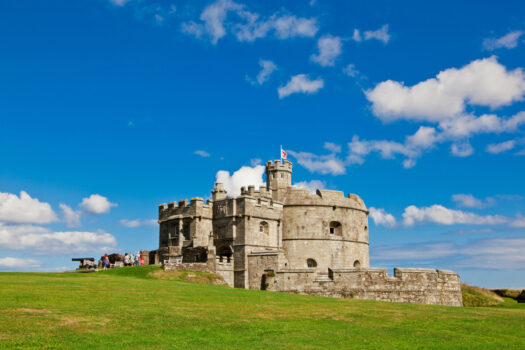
325,230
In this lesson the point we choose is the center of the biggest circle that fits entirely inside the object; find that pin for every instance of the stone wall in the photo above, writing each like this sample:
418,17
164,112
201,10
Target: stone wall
422,286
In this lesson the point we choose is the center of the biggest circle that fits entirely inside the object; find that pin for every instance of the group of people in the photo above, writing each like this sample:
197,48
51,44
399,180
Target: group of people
129,260
133,260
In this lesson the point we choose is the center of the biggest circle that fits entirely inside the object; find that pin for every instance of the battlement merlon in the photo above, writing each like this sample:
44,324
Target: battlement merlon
276,165
195,206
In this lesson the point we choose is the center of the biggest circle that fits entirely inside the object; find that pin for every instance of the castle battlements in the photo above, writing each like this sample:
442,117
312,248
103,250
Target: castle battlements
278,165
182,207
262,192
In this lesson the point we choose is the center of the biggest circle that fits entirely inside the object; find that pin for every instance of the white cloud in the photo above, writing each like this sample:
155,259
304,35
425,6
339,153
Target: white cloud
255,161
41,240
508,41
245,176
96,204
202,153
329,47
136,223
440,215
381,217
412,148
267,68
14,264
491,253
71,217
24,209
312,185
519,221
351,71
461,149
300,83
421,251
357,35
380,34
248,25
467,125
496,148
467,201
119,2
483,82
323,164
332,147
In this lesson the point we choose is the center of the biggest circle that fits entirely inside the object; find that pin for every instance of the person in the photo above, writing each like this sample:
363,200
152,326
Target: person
141,260
137,258
131,259
126,260
105,261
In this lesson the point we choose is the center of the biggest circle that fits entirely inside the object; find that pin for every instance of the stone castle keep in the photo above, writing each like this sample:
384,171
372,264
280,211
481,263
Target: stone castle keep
282,238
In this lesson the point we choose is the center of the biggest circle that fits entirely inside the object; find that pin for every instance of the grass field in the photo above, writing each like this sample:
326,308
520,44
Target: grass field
142,307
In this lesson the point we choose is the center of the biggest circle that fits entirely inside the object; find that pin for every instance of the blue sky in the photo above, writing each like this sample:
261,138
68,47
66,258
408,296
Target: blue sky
111,107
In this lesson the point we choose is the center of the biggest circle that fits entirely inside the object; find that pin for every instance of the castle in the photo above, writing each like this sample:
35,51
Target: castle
282,238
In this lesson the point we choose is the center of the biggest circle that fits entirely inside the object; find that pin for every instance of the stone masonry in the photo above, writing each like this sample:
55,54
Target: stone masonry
282,238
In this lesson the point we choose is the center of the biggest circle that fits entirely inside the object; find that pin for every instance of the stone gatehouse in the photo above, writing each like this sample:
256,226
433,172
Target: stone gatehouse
282,238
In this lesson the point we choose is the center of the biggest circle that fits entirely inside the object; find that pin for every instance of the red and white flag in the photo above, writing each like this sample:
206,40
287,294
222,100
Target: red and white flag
283,153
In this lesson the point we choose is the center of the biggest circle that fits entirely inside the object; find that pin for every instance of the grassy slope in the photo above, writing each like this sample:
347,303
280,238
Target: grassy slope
127,308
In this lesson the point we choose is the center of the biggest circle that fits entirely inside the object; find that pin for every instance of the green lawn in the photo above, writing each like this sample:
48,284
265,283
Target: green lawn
127,308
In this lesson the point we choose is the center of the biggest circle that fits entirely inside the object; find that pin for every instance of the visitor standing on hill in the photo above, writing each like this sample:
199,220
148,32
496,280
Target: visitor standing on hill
126,260
141,260
105,261
131,259
137,259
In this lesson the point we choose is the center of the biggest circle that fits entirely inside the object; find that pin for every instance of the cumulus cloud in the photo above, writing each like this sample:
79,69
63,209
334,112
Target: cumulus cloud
329,48
496,148
483,82
267,68
137,222
323,164
96,204
17,264
300,83
248,26
381,217
24,209
412,148
202,153
70,217
312,185
467,201
461,149
332,147
519,221
490,253
350,70
245,176
508,41
444,216
380,34
41,240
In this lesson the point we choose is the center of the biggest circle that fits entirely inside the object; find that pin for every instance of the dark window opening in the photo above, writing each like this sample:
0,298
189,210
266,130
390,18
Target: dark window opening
311,263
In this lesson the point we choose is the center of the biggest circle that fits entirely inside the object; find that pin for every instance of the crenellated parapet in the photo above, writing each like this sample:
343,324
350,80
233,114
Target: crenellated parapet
303,197
278,165
262,192
182,208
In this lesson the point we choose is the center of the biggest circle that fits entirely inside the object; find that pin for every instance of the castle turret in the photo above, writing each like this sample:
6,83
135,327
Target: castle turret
278,178
218,192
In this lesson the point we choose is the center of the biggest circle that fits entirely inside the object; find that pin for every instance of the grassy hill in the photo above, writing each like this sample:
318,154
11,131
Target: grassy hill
143,307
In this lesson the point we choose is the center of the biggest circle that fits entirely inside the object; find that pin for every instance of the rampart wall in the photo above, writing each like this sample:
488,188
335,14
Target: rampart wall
422,286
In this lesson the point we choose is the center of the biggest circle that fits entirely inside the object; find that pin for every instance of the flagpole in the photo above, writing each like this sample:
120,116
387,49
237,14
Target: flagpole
281,154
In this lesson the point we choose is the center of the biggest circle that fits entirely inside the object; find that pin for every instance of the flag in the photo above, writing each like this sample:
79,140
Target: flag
283,153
